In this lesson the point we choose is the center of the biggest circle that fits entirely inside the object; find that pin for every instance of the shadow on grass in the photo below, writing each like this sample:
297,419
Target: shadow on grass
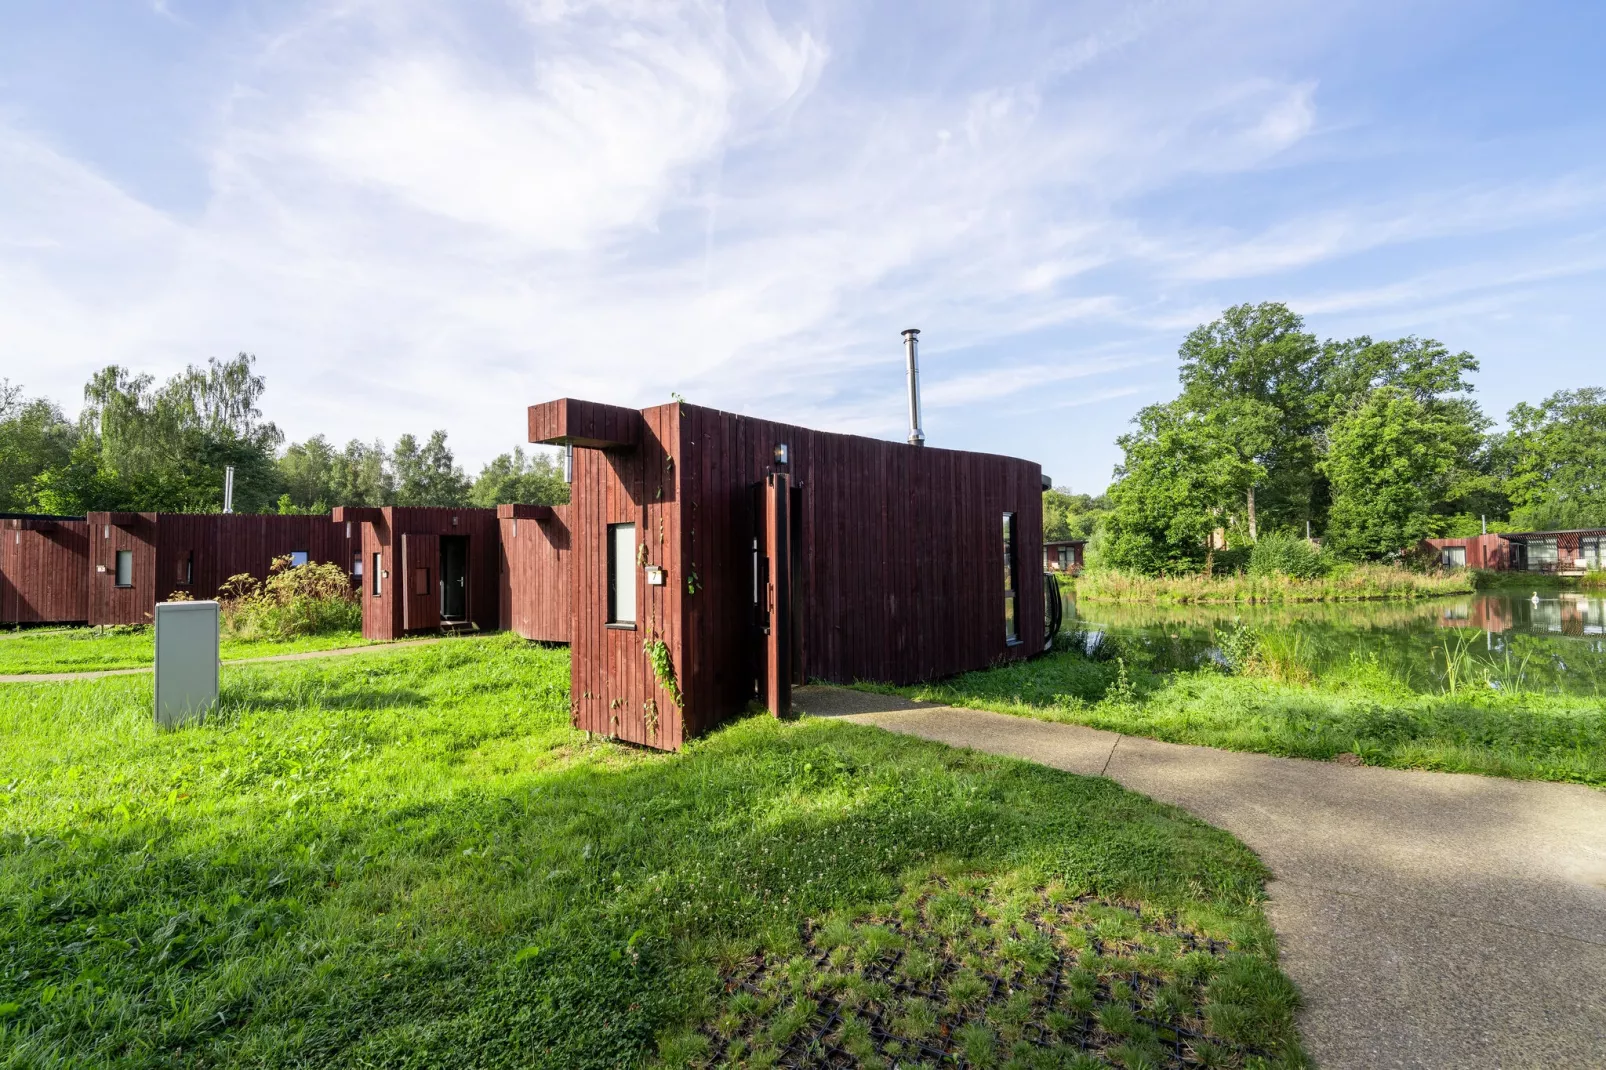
558,918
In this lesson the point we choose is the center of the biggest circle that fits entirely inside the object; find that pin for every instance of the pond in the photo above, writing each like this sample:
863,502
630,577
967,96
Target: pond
1551,642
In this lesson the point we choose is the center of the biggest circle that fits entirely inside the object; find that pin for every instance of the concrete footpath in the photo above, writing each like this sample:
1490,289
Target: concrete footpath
301,655
1430,919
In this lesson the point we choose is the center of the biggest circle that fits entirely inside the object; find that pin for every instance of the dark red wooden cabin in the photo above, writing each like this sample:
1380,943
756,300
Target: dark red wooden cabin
44,577
763,555
1064,555
135,560
424,569
534,573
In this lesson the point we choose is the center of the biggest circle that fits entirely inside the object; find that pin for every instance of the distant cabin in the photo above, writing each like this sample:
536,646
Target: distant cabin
1064,555
1559,553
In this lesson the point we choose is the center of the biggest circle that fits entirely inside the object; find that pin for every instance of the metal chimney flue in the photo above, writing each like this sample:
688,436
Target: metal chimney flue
228,488
911,347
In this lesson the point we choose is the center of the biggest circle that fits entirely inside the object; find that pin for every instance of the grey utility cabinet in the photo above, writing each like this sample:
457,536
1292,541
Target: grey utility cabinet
186,661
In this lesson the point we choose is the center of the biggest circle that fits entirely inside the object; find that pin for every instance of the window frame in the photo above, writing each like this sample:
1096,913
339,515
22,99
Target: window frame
379,574
1012,636
119,557
306,558
621,570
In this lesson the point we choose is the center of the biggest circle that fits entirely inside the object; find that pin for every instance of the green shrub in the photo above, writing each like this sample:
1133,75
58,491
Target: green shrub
1283,554
311,599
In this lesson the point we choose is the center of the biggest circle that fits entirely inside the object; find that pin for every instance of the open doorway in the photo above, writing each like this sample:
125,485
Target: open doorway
454,578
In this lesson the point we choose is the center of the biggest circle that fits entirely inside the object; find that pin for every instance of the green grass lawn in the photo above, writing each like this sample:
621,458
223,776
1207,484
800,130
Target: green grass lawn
90,649
1360,707
414,861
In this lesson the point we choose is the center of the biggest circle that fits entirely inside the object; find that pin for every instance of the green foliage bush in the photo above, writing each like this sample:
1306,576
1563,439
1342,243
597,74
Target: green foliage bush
311,599
1280,553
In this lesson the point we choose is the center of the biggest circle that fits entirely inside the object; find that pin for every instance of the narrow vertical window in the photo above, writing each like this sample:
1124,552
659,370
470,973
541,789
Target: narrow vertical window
378,573
621,575
186,569
1011,583
125,568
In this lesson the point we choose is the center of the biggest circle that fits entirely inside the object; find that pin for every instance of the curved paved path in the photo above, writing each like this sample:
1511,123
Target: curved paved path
1430,919
300,655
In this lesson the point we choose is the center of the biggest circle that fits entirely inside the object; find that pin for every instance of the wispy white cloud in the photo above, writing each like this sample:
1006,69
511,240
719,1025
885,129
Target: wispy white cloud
425,216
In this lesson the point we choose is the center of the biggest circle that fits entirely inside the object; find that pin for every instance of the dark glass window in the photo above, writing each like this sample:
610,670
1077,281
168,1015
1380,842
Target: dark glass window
186,569
1011,582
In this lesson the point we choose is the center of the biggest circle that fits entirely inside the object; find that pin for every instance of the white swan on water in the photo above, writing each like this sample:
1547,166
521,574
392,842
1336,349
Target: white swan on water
1536,598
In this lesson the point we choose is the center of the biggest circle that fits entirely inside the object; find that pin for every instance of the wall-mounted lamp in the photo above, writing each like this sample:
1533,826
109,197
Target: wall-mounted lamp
783,454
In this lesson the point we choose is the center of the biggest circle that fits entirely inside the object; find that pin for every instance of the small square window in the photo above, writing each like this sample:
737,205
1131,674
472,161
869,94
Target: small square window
299,558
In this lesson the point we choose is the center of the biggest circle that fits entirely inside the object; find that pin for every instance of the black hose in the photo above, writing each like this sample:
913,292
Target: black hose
1053,609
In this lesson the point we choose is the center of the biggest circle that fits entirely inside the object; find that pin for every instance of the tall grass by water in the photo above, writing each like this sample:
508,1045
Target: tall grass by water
1356,583
412,859
1456,704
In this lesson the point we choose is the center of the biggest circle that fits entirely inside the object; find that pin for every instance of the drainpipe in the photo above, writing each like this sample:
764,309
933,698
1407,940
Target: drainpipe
911,346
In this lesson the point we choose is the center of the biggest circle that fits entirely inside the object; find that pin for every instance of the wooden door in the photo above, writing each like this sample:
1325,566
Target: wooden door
777,662
420,594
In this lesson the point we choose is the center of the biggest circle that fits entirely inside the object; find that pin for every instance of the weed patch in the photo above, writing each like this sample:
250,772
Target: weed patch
962,969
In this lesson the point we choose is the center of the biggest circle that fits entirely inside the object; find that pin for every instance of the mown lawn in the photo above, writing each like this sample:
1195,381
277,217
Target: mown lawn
414,861
1360,707
91,649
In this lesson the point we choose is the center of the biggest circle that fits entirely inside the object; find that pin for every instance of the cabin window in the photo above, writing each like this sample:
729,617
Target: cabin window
186,569
1542,553
1453,557
124,576
356,565
378,574
299,558
621,575
1591,550
1011,583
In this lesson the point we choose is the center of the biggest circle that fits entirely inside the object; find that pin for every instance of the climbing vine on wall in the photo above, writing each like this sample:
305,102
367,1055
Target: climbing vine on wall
663,667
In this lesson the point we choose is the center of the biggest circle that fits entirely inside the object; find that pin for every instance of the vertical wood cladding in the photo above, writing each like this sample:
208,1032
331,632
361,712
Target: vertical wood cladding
195,554
384,531
44,576
898,575
134,533
614,690
535,572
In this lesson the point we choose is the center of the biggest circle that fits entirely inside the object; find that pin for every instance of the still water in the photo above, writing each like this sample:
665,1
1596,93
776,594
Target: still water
1545,641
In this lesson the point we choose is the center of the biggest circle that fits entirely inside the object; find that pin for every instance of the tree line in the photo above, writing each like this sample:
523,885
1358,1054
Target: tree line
1368,445
142,446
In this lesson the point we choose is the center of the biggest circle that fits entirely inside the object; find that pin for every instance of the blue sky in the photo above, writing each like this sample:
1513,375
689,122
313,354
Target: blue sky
421,215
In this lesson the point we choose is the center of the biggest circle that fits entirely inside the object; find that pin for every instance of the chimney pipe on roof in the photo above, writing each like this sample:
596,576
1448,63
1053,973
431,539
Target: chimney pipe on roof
911,345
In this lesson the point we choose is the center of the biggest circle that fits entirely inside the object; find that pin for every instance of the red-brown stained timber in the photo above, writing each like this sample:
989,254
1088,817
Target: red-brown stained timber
535,571
195,554
385,615
44,577
899,575
585,424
